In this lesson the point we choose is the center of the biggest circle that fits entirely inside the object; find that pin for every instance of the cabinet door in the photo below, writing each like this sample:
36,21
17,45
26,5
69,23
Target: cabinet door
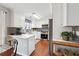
31,44
37,34
22,46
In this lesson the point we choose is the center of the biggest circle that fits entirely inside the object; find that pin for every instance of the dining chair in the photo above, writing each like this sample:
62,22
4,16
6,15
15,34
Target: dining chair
15,44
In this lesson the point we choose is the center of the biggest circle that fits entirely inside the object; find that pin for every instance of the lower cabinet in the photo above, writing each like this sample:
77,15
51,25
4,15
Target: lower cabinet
31,47
22,48
26,45
37,34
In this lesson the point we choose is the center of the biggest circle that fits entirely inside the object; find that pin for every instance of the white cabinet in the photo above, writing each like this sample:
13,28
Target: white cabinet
26,43
22,47
17,20
37,34
36,24
71,14
31,43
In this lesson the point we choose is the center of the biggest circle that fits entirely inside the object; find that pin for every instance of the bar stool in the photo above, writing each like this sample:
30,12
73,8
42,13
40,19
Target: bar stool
15,44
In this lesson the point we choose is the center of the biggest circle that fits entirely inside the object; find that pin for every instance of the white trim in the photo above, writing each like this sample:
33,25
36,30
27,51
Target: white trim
21,54
65,14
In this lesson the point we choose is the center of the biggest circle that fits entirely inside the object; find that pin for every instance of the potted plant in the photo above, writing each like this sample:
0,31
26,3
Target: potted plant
66,35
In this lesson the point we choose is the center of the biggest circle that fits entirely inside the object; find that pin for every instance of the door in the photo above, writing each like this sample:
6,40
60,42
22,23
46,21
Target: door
2,27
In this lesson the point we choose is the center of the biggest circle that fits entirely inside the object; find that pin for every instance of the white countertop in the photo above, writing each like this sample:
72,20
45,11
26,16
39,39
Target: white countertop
21,36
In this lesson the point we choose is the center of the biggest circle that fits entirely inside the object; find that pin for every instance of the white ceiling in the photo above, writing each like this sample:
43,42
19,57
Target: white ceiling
26,9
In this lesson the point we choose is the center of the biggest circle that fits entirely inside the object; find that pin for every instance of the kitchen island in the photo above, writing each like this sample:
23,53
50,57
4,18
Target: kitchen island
26,43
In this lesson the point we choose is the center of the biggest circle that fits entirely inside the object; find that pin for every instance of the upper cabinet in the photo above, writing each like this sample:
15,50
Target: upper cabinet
71,14
16,20
38,23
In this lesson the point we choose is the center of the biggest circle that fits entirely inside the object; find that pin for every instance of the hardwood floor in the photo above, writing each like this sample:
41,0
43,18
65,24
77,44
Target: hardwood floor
41,48
7,53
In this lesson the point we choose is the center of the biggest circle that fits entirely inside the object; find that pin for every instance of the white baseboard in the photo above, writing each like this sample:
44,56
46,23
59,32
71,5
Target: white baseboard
21,54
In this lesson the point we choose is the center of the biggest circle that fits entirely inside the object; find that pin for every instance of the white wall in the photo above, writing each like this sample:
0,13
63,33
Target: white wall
7,17
58,17
73,14
5,23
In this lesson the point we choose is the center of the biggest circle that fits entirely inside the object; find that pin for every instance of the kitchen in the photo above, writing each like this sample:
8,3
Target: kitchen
31,35
27,28
36,24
